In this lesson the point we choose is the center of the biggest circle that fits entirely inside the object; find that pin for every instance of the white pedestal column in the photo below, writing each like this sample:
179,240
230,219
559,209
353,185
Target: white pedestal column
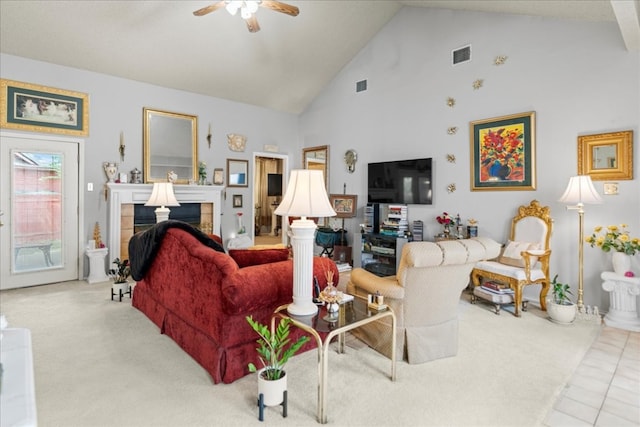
623,311
302,236
96,265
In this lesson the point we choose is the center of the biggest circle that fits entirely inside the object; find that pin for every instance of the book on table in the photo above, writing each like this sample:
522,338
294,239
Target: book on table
497,288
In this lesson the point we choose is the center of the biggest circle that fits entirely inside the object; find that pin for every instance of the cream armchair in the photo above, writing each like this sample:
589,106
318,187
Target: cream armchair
525,259
424,296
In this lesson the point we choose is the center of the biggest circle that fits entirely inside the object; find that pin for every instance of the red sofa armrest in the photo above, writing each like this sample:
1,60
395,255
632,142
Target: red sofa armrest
248,257
259,286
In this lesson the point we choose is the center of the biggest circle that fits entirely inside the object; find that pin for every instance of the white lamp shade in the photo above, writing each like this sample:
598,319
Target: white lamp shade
162,195
306,195
580,191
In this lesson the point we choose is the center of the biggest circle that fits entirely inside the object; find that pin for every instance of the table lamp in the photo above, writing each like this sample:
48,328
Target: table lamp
580,191
162,196
306,196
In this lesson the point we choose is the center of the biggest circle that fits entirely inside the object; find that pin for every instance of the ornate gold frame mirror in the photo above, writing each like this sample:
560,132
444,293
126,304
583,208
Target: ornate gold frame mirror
606,156
317,158
170,144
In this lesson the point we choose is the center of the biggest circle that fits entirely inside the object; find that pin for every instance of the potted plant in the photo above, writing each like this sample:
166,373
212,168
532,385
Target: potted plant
616,239
120,274
274,349
560,308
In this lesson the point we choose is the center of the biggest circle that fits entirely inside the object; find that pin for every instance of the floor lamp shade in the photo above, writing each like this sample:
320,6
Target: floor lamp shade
162,196
306,196
579,192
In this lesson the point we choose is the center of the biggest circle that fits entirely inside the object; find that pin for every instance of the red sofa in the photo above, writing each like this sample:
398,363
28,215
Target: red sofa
200,298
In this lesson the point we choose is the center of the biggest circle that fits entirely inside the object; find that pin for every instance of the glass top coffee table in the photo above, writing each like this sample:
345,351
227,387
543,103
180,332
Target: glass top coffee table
324,327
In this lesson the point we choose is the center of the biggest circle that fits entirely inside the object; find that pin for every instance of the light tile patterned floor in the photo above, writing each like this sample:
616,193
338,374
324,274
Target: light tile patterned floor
605,389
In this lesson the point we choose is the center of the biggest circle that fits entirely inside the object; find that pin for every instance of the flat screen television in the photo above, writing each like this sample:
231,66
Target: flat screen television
274,184
403,181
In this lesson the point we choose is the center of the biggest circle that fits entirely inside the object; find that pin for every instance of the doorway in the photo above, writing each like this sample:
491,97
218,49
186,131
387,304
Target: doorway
270,175
39,201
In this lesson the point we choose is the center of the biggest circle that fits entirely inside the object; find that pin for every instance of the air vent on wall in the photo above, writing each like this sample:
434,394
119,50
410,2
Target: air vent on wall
461,55
361,86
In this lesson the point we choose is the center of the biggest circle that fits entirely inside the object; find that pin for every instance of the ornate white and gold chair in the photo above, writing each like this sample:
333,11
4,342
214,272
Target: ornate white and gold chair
525,258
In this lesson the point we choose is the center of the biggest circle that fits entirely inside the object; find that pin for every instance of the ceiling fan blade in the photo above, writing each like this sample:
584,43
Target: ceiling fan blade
252,24
211,8
280,7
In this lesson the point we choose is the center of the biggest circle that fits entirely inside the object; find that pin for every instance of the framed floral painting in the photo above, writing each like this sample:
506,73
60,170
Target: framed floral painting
503,153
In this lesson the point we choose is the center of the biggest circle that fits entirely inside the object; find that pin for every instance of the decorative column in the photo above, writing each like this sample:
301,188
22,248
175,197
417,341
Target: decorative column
623,312
96,265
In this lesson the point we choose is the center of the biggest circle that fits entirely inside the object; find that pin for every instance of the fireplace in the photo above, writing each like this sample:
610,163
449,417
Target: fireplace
200,206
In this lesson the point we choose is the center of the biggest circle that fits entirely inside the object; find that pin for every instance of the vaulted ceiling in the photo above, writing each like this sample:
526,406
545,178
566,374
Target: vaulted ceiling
283,66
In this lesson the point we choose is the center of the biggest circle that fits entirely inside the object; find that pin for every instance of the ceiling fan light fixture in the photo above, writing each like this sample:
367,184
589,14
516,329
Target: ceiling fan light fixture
252,5
245,13
247,8
233,6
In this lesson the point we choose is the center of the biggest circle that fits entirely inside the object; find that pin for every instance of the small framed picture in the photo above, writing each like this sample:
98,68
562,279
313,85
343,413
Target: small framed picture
218,176
237,200
345,205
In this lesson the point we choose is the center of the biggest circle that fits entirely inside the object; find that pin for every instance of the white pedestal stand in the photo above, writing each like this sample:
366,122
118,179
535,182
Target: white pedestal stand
302,235
96,265
623,312
274,220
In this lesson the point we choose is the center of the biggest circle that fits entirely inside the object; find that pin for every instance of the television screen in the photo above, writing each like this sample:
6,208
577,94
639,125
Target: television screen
405,181
274,184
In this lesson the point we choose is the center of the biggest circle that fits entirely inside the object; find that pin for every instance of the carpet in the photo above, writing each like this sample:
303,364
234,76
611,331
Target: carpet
99,362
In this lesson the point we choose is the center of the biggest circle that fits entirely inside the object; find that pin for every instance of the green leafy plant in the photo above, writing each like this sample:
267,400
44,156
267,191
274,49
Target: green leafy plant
560,292
122,272
271,347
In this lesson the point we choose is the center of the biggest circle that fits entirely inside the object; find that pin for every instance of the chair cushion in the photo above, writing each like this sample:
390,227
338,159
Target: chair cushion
508,271
511,254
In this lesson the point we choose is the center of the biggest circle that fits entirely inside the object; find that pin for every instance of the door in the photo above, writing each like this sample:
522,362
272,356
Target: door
265,199
39,205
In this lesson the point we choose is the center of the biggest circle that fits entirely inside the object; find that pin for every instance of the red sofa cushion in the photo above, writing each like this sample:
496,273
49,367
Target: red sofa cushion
248,257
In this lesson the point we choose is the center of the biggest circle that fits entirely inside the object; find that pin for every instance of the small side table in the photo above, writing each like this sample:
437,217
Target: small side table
96,265
623,311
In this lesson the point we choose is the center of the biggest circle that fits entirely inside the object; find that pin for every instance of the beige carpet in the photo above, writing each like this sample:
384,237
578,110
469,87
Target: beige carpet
102,363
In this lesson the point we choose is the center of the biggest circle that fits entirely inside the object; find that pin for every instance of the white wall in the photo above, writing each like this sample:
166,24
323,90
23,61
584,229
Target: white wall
577,77
115,105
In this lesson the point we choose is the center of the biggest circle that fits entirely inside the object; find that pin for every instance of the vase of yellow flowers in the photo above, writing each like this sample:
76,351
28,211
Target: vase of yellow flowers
616,239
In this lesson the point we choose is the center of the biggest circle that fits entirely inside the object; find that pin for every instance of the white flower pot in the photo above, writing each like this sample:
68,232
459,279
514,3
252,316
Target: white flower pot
560,313
621,263
272,391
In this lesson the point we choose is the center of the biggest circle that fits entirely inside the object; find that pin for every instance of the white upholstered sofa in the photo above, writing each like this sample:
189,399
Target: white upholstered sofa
424,294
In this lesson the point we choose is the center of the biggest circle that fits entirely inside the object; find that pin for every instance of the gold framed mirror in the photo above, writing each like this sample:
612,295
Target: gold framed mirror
317,158
606,156
170,142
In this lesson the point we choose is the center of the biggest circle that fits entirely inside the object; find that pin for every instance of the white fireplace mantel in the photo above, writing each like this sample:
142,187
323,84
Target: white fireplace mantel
139,194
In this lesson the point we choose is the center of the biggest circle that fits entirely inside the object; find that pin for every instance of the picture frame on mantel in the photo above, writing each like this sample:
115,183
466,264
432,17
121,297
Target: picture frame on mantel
606,156
35,108
503,153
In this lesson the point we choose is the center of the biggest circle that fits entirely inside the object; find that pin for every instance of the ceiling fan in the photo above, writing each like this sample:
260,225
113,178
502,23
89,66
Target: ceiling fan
248,9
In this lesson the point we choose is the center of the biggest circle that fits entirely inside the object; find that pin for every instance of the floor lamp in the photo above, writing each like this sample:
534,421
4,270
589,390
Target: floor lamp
306,196
579,192
162,196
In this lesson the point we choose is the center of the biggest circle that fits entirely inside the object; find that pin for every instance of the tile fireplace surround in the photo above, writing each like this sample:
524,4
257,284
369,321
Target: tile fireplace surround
122,195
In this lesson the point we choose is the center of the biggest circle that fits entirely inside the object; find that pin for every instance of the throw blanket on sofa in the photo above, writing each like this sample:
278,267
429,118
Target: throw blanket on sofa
143,246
